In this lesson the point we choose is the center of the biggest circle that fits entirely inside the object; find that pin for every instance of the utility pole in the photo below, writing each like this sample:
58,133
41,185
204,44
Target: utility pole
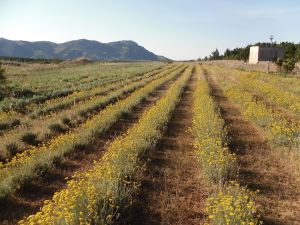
271,42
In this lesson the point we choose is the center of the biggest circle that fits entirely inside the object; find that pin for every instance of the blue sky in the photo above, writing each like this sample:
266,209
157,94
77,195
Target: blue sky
178,29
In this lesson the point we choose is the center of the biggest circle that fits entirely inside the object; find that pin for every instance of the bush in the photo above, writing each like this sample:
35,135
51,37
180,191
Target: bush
232,205
279,62
30,138
12,148
67,121
56,128
288,65
8,124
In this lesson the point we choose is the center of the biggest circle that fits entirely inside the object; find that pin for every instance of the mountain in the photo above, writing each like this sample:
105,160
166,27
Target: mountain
82,48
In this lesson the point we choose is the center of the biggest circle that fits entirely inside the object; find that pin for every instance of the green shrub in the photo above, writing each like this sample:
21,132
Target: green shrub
67,121
288,65
29,138
56,128
279,62
12,148
8,124
232,205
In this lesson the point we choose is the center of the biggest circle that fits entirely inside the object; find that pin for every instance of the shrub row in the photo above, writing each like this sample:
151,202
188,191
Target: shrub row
28,164
98,195
228,203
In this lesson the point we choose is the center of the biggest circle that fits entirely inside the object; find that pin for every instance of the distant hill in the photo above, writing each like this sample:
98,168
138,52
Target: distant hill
82,48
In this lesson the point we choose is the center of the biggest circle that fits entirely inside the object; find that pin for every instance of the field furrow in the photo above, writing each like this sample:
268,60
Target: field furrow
38,111
101,193
148,143
33,86
261,167
172,190
29,164
24,202
79,97
229,202
42,130
279,129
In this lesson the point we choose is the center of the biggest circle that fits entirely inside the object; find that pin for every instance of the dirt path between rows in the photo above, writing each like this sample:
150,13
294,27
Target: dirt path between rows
172,190
30,198
261,167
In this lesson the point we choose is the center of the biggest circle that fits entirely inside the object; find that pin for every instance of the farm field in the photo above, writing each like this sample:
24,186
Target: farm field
148,143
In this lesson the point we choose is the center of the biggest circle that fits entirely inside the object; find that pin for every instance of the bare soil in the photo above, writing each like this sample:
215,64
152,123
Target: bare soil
173,190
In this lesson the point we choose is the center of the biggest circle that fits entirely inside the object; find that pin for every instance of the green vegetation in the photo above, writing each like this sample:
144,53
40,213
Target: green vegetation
30,84
30,60
28,164
292,54
97,196
102,140
46,126
228,203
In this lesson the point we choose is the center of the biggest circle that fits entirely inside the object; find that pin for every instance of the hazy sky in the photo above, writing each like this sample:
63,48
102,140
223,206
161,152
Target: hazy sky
178,29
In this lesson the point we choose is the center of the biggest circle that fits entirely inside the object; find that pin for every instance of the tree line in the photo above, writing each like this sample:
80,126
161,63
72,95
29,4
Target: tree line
28,60
292,54
292,51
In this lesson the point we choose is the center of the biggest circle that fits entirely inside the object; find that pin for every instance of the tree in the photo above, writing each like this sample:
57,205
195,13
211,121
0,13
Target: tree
292,53
297,54
215,55
288,65
290,50
227,53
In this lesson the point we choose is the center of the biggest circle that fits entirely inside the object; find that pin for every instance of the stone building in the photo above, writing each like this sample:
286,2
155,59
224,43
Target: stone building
258,54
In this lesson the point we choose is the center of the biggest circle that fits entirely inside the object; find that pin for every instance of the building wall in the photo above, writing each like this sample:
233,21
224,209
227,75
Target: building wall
259,54
253,56
272,54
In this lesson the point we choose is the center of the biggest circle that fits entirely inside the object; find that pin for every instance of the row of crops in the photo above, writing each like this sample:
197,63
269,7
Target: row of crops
99,194
33,131
243,88
28,108
29,85
28,164
228,203
52,130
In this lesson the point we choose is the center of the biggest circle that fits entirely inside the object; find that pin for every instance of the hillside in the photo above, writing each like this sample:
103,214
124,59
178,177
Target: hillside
94,50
